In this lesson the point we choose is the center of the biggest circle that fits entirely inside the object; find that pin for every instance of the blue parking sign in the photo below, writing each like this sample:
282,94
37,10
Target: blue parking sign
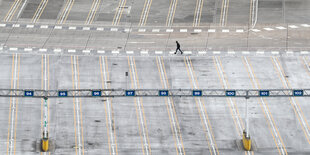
298,93
197,93
96,93
163,93
29,93
264,93
230,93
130,93
63,93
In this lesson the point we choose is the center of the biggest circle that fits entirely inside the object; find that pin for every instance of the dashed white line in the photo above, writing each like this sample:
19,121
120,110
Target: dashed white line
86,28
260,52
13,49
114,29
2,25
86,51
71,50
239,30
202,52
304,52
187,52
305,25
293,26
28,49
100,29
268,29
280,27
245,52
158,52
169,30
211,30
101,51
183,30
129,52
216,52
115,52
44,26
72,28
231,52
58,27
144,52
197,30
42,49
255,30
155,30
225,30
274,52
57,50
141,30
16,25
30,26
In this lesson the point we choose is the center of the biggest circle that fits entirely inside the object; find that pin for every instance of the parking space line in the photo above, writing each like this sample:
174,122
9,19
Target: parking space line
92,12
39,11
145,12
119,12
264,106
12,11
65,12
146,148
78,122
11,140
110,121
294,103
201,108
197,14
171,12
174,123
224,12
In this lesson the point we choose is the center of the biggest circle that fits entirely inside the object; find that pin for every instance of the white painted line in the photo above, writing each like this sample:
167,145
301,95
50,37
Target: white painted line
135,42
274,52
216,52
245,52
169,30
183,30
260,52
30,26
289,52
28,49
16,25
144,52
101,51
127,30
42,49
225,30
100,28
115,52
171,52
187,52
158,52
86,28
197,30
202,52
304,52
231,52
141,30
281,28
71,50
255,30
114,29
2,25
129,52
211,30
57,50
13,49
293,26
72,28
86,51
239,30
305,25
58,27
268,29
155,30
44,26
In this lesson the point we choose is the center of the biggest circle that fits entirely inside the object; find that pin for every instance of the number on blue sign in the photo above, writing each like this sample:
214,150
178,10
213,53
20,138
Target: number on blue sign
298,93
230,93
96,93
197,93
264,93
28,93
62,93
163,93
130,93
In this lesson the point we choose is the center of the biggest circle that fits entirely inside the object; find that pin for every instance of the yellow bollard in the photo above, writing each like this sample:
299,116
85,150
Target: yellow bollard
246,142
45,145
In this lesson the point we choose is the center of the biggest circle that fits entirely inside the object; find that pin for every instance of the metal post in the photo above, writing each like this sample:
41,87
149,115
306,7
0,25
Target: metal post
45,120
247,118
126,74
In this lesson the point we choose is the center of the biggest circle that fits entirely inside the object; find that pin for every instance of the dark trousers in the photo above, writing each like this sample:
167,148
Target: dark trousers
178,49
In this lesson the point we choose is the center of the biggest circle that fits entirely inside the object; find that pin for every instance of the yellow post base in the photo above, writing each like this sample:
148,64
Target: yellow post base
246,142
45,145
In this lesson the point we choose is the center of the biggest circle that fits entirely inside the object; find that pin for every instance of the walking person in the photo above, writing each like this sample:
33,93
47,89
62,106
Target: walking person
178,48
